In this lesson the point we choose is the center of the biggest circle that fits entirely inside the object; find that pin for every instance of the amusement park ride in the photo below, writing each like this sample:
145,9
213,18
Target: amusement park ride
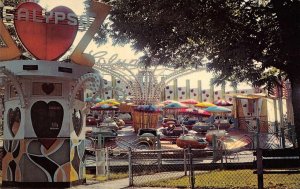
44,111
145,84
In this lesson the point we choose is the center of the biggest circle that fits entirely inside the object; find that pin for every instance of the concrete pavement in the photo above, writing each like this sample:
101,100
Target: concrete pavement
113,184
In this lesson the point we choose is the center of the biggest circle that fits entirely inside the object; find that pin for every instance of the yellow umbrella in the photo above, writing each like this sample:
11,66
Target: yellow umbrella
249,96
111,102
204,104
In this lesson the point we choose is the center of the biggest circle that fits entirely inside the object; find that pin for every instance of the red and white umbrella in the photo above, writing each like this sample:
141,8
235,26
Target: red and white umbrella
195,112
189,101
222,102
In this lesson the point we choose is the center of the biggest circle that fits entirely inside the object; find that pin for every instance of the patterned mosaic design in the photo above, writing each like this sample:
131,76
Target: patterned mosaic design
107,94
29,161
169,93
194,93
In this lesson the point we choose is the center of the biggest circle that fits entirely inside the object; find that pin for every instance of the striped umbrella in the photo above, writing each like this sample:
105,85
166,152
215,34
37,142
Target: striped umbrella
189,101
222,102
104,107
196,112
218,109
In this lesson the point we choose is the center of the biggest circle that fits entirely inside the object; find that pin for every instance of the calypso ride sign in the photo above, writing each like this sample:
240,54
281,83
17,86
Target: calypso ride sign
48,35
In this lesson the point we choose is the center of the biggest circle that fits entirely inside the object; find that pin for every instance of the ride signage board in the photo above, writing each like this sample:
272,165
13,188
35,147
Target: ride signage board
45,37
48,35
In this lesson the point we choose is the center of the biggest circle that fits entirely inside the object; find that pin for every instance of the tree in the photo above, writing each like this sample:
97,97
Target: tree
240,38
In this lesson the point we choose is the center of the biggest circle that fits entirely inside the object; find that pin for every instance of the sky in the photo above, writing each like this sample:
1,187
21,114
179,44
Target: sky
125,52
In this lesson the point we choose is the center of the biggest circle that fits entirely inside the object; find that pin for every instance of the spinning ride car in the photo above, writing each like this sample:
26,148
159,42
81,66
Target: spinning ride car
147,138
202,127
186,141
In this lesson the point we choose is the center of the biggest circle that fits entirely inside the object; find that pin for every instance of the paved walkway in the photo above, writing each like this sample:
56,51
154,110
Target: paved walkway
114,184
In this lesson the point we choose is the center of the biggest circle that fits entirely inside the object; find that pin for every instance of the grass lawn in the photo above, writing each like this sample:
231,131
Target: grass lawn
242,179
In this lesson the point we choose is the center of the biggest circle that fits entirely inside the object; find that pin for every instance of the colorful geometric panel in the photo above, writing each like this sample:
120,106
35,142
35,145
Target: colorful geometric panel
62,162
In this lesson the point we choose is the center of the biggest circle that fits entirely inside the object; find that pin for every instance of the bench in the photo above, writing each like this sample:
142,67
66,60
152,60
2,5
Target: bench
277,161
281,161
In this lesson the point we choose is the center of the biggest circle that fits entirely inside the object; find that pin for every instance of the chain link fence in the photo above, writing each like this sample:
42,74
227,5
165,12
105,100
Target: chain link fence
192,168
229,162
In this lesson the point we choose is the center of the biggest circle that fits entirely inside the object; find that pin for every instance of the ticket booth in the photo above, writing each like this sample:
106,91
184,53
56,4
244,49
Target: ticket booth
44,127
44,108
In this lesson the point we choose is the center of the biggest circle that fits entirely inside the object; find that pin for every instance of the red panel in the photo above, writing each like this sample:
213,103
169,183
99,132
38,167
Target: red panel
45,41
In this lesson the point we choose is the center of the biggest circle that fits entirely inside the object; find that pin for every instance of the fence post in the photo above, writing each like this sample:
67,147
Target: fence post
130,173
107,162
100,157
220,152
259,162
259,165
159,153
282,137
276,127
257,133
192,177
184,164
214,145
291,129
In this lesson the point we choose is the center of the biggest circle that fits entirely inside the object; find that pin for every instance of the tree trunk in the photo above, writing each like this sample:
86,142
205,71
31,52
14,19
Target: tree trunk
296,105
289,22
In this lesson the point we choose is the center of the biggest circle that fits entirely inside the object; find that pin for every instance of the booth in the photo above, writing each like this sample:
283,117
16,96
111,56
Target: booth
44,108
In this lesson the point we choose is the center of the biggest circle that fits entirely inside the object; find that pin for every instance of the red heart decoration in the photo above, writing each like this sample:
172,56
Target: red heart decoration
45,41
48,88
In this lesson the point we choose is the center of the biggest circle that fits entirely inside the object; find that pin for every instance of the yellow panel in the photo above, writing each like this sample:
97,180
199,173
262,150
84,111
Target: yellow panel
11,50
101,10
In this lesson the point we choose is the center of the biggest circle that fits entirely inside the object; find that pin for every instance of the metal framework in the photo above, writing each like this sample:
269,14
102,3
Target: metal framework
90,81
143,83
9,76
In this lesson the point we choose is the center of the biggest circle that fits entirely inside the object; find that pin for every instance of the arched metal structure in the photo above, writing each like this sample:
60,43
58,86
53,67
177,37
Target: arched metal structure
145,84
7,75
